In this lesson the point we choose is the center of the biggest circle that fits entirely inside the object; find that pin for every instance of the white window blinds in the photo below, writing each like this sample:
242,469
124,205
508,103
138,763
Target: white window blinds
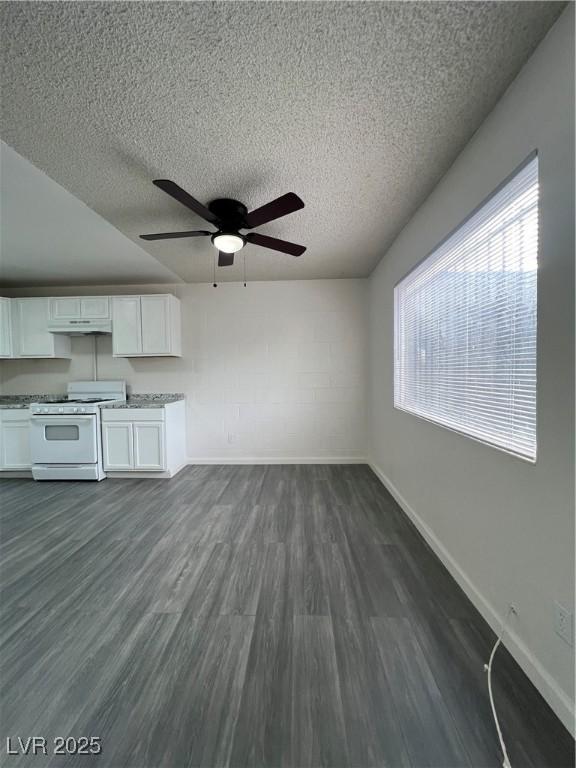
465,323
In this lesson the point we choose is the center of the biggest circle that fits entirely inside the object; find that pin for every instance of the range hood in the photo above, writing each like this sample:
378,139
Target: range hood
80,327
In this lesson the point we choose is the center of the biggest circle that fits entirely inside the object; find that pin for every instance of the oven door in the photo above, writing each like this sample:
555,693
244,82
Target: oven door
63,439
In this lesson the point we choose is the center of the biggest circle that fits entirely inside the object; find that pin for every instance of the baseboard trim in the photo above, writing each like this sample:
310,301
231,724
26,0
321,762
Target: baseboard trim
146,475
544,682
277,460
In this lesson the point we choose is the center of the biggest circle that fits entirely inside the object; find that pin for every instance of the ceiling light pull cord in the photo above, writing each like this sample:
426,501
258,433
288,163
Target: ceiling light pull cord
488,670
244,262
214,283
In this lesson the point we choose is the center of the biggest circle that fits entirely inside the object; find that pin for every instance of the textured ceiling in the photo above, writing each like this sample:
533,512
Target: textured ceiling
358,108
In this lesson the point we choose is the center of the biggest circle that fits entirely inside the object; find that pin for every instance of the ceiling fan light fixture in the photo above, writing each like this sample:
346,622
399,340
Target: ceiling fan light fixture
228,216
228,242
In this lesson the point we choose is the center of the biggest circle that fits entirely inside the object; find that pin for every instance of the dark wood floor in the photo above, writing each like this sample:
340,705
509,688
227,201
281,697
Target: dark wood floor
247,616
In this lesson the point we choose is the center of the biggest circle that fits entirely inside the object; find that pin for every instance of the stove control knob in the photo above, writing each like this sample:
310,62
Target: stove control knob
83,410
60,410
46,410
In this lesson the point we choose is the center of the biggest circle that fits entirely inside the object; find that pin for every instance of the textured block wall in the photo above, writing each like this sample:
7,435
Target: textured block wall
275,370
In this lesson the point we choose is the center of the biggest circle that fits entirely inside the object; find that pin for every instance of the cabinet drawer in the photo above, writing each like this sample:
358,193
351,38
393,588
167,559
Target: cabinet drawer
133,414
14,414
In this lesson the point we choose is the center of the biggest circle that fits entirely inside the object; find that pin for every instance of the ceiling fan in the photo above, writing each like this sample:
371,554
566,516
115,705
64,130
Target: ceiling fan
229,216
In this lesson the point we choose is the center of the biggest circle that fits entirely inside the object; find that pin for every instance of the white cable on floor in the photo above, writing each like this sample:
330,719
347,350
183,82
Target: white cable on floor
488,669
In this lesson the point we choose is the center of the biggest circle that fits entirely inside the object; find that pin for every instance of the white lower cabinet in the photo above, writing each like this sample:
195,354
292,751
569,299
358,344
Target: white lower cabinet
144,439
149,449
15,439
134,439
118,446
133,445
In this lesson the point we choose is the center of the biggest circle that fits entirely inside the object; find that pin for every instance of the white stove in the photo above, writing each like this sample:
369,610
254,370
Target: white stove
70,406
65,436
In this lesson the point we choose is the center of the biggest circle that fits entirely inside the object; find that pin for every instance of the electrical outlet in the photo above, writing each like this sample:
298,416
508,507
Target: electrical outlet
564,623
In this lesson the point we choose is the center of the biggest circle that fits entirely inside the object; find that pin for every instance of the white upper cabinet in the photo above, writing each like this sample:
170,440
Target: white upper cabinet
146,326
65,308
30,330
155,312
126,326
80,307
5,328
142,326
95,307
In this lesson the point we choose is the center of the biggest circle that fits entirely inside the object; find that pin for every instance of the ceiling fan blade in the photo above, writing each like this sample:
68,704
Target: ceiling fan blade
282,206
225,259
170,235
275,244
172,189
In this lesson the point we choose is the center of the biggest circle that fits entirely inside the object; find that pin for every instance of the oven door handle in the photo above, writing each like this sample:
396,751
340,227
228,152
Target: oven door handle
60,420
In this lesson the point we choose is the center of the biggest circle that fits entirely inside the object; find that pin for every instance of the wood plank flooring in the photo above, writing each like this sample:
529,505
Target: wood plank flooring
243,616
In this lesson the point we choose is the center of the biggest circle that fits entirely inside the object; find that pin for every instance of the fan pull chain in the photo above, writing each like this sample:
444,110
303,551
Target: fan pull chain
244,259
214,284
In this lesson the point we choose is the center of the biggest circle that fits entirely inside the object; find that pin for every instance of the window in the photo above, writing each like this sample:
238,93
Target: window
465,323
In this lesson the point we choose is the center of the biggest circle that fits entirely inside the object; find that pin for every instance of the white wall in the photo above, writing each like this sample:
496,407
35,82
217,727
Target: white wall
272,371
504,527
47,234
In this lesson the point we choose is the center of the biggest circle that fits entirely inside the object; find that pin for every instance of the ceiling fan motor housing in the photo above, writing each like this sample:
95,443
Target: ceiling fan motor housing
231,213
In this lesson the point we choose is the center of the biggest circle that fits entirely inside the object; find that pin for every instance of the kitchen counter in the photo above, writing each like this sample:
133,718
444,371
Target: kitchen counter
154,400
23,401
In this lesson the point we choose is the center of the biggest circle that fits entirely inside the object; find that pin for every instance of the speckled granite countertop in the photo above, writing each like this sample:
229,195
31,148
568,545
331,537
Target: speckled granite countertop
23,401
155,400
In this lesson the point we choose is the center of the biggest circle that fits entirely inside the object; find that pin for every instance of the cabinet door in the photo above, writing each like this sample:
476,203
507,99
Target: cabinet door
126,326
5,328
95,307
64,308
155,325
16,445
118,450
149,445
34,340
